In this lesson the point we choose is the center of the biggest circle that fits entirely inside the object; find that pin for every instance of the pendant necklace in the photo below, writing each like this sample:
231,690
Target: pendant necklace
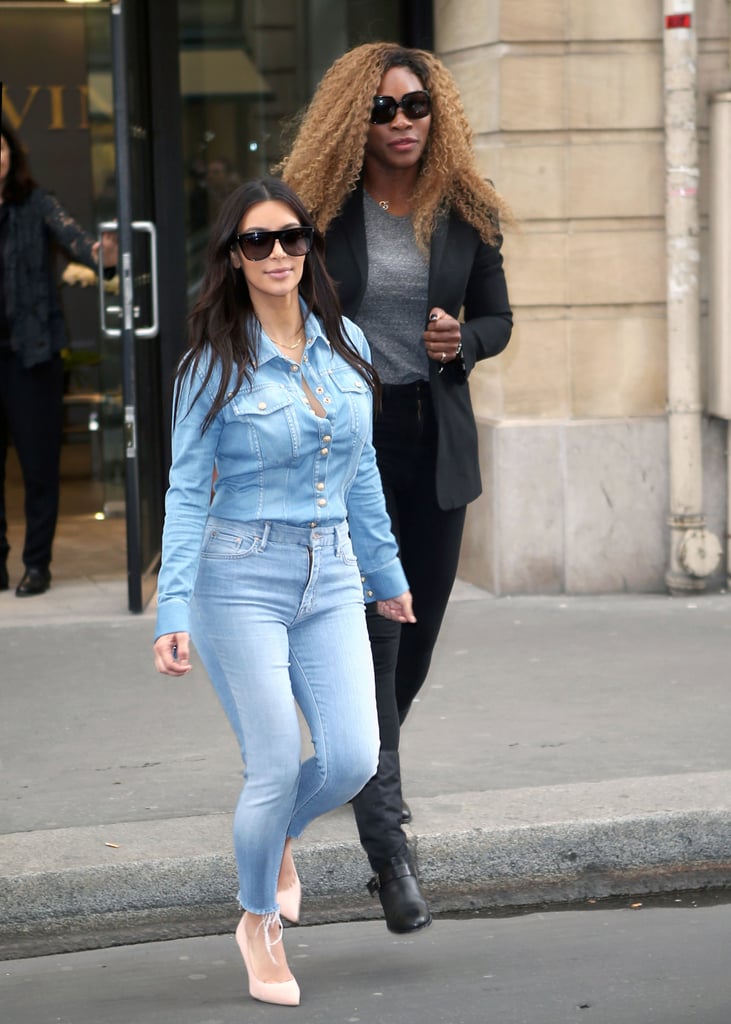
384,204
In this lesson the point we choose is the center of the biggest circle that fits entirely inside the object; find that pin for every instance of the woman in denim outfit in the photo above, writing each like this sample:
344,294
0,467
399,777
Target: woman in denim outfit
269,578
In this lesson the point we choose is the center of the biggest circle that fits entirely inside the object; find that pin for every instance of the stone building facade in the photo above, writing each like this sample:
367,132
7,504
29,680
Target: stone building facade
567,102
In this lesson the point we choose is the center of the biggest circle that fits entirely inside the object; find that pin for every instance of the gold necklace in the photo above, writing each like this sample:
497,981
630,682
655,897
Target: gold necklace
300,339
384,204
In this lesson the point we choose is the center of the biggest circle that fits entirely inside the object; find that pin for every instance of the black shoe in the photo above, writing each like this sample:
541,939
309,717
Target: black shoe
405,813
4,581
35,581
403,905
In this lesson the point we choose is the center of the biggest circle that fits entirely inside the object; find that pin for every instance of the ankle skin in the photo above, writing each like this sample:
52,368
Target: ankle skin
289,887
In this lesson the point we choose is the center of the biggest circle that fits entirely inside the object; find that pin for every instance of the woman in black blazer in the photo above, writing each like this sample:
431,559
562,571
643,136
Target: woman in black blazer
32,334
384,160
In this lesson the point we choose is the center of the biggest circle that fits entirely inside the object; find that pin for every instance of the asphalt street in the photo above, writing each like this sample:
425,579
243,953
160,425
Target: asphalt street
562,748
588,966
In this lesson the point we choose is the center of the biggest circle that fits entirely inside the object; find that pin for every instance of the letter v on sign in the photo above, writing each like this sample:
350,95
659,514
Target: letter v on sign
16,117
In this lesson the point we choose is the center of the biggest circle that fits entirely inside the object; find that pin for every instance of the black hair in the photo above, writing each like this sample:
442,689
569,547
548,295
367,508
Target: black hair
223,321
19,182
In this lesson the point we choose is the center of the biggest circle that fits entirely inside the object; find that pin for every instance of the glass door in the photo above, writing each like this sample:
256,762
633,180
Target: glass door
130,319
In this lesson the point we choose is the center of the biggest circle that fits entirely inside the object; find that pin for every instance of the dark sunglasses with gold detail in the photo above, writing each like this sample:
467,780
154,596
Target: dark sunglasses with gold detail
415,105
257,245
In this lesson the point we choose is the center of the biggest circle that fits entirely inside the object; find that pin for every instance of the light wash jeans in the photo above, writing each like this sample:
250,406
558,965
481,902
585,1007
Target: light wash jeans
278,619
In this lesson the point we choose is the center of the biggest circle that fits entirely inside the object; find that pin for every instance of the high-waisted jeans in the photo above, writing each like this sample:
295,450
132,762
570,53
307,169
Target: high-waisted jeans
278,621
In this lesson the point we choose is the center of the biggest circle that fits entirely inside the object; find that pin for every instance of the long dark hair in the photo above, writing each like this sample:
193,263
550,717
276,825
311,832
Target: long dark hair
223,322
19,183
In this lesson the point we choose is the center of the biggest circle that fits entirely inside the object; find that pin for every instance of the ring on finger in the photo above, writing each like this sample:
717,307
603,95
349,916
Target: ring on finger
442,357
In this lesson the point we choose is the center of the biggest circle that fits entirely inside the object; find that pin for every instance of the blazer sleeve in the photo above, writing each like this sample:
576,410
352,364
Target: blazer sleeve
68,233
488,318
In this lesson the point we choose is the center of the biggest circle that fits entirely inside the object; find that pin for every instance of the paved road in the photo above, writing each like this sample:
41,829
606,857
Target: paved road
564,748
592,966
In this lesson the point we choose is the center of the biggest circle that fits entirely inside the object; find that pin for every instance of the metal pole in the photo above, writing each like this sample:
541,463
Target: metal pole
694,552
126,283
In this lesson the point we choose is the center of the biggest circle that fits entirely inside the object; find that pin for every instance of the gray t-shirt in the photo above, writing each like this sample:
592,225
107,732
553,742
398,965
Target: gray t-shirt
394,309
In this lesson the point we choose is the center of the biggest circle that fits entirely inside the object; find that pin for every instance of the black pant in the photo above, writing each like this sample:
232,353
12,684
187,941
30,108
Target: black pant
429,538
31,411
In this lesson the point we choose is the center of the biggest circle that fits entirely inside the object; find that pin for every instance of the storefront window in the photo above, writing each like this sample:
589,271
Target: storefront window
246,68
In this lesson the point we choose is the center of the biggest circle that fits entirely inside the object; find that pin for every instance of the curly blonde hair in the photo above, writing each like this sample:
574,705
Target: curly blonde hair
326,158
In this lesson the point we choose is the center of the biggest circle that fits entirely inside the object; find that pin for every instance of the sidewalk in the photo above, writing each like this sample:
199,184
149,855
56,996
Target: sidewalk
564,748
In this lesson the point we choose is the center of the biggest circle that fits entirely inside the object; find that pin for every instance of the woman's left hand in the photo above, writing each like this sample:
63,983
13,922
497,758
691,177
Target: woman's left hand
398,609
442,337
109,249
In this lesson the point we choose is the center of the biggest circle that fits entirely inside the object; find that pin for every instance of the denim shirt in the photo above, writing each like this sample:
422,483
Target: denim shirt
278,462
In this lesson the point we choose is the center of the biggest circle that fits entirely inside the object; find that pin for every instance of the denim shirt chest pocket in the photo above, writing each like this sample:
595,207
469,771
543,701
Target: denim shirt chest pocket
268,416
354,393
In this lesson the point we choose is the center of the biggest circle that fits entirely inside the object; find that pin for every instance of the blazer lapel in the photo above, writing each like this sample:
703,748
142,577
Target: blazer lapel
436,255
353,222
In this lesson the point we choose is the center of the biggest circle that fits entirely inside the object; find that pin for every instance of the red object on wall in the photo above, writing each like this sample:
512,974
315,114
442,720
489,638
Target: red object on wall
678,21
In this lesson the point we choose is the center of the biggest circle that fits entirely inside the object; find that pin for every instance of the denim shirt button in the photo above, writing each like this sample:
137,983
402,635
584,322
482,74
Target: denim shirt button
262,405
320,486
294,368
324,451
369,593
322,502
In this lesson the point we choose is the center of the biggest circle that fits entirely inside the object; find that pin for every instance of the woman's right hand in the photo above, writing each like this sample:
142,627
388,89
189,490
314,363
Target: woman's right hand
398,609
172,654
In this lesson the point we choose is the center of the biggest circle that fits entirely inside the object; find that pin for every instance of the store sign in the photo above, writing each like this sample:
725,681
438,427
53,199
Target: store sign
58,107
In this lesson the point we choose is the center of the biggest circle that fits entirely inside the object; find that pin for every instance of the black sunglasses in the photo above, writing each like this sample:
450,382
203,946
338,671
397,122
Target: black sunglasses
415,105
257,245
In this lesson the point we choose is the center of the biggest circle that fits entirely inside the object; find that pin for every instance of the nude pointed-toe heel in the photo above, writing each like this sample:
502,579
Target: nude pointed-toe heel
282,993
289,901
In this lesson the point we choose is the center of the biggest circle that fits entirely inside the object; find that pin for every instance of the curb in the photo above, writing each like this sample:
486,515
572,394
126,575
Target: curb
71,898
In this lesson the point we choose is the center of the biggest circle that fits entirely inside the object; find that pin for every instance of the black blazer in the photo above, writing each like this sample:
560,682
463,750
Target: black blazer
463,272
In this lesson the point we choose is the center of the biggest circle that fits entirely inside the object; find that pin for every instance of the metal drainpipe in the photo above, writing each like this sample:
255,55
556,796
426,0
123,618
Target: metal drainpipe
694,552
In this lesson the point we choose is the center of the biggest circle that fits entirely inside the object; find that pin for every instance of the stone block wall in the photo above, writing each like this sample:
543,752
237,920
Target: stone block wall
566,100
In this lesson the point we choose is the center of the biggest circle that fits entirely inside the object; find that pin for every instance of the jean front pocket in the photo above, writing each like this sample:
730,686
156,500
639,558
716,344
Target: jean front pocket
346,553
225,542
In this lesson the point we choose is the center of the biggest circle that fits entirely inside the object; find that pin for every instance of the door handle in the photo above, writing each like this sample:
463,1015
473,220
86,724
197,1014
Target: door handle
151,329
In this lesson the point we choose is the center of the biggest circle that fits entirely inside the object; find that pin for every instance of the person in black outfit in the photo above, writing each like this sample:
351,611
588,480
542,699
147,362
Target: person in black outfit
383,157
31,338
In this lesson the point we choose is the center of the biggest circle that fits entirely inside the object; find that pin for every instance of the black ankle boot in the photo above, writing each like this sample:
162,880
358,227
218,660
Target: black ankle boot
404,907
378,809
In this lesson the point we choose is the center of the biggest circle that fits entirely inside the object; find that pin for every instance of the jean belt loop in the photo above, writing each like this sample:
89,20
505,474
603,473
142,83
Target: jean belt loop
265,535
341,536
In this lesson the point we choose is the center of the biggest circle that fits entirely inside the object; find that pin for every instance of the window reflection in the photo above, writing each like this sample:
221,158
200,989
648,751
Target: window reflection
246,68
